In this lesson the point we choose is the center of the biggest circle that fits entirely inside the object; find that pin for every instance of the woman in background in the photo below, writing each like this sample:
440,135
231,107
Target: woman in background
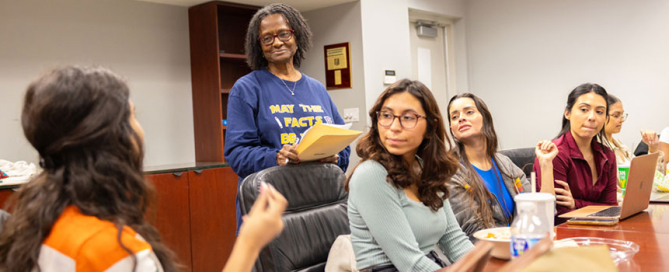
482,191
397,205
270,108
587,165
85,211
617,117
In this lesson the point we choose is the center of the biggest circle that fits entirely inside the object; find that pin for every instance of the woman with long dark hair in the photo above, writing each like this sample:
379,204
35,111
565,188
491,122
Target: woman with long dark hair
85,211
397,205
584,169
483,189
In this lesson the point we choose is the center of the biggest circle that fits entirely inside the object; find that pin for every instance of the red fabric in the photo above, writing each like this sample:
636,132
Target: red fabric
571,167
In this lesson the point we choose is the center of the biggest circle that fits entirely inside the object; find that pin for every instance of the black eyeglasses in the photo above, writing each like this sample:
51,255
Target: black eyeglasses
284,36
407,120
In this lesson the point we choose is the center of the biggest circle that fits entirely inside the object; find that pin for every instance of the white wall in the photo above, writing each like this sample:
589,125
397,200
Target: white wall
144,42
385,30
525,56
332,25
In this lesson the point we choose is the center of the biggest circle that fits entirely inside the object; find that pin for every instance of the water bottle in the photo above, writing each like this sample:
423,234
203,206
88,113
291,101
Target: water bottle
527,229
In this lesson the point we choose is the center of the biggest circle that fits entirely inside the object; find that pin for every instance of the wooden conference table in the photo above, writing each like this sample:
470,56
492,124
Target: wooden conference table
649,229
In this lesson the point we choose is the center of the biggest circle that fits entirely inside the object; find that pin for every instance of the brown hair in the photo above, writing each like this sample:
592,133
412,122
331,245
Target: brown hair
478,191
78,119
439,164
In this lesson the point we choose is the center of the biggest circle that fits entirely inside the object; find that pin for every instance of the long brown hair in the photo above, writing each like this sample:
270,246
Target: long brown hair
438,162
478,191
78,119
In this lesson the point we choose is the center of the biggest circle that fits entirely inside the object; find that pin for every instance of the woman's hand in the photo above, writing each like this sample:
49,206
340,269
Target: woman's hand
563,196
263,223
546,151
286,155
332,159
650,138
261,226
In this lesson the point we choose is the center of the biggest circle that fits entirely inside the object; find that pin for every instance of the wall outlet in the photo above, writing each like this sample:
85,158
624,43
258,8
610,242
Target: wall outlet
351,115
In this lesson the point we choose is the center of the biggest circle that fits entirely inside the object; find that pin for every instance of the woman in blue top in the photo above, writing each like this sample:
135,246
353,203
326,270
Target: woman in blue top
270,108
483,189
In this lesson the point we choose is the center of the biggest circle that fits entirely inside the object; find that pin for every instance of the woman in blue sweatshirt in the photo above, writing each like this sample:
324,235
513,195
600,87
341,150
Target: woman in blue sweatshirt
270,108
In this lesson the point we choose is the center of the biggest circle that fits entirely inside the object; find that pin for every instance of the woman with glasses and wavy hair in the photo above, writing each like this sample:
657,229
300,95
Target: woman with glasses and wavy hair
270,108
397,205
483,189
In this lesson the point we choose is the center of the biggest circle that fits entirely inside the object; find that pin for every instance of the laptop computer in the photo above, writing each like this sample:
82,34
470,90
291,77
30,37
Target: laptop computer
637,193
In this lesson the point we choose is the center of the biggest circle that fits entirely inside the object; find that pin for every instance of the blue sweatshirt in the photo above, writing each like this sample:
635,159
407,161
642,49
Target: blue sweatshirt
263,115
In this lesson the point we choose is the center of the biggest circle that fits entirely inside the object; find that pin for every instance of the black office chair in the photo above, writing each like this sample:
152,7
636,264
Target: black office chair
521,157
315,216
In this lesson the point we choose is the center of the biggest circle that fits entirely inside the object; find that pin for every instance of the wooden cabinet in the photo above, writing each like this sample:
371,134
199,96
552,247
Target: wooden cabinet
195,215
170,213
217,33
213,217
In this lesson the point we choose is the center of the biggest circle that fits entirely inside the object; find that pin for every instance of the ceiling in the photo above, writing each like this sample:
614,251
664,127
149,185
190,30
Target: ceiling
301,5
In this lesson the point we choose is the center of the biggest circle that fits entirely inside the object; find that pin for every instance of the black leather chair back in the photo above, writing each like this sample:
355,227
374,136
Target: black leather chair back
521,157
315,216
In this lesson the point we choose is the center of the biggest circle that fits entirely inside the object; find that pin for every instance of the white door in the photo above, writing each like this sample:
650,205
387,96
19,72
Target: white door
428,64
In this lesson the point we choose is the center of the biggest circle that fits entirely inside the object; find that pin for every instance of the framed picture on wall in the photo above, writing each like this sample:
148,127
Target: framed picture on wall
337,66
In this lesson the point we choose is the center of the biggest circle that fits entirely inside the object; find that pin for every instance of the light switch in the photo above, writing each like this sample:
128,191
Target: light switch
351,115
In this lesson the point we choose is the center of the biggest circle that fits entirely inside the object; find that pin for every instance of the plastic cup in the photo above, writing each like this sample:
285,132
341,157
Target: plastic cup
623,174
545,204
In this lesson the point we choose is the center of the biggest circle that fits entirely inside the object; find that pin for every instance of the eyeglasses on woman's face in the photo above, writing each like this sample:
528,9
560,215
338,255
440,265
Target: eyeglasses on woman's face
407,120
620,116
283,35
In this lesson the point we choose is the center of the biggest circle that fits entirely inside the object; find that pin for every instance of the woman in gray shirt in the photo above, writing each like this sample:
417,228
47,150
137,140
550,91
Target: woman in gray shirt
398,208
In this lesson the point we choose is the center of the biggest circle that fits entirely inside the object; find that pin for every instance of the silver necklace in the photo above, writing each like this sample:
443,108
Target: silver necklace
292,92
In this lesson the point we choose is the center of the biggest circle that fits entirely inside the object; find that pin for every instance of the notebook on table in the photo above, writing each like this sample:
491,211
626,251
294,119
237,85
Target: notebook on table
637,193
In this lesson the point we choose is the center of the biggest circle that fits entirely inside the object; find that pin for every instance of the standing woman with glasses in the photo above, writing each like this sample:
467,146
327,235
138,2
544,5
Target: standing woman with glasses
270,108
617,116
483,189
397,205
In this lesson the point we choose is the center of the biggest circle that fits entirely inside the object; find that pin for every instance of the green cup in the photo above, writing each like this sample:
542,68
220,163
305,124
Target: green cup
623,174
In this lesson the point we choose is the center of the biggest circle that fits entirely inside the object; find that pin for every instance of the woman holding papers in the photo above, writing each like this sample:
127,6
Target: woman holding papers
397,205
583,162
483,189
270,108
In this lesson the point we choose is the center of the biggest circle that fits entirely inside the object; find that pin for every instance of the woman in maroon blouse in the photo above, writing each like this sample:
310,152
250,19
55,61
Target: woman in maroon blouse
584,169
